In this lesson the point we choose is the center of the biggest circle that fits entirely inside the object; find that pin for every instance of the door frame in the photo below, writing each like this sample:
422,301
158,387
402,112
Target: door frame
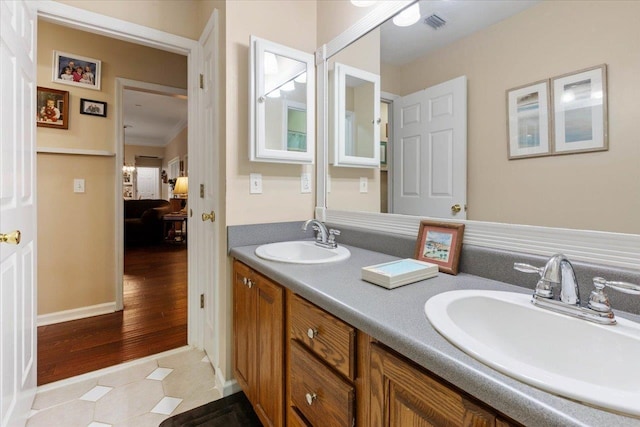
91,22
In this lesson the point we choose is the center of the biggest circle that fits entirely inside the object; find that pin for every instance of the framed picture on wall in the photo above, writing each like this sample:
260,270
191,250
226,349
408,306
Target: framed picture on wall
93,108
440,243
52,108
76,70
580,111
528,121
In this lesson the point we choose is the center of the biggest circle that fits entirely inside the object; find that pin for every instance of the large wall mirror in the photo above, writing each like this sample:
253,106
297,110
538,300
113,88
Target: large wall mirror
282,103
499,46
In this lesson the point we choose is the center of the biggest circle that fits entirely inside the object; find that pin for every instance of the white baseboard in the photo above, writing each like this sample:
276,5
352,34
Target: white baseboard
76,313
226,387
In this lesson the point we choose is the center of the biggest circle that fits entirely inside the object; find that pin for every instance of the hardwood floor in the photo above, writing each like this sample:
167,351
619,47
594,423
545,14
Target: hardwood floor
154,319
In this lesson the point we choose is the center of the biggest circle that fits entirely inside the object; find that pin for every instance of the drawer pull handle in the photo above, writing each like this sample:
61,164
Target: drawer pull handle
247,282
311,397
311,333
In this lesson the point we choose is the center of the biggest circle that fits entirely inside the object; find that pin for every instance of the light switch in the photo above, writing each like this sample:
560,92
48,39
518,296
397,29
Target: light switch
255,183
364,184
305,182
78,185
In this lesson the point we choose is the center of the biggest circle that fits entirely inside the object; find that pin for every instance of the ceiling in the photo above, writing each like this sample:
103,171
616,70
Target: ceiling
400,45
152,119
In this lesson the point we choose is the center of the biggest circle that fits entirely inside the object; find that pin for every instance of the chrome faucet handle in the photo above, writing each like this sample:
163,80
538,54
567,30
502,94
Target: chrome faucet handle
528,268
543,288
625,287
598,300
332,237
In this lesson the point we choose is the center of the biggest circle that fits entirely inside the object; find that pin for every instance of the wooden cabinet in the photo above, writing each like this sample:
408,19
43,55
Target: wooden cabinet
335,374
258,325
404,394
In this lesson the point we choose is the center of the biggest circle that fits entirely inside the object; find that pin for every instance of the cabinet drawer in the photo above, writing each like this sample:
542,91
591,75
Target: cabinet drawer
327,337
320,395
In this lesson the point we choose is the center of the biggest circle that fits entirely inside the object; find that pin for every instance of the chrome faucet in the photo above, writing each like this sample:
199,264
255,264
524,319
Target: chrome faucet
558,271
324,237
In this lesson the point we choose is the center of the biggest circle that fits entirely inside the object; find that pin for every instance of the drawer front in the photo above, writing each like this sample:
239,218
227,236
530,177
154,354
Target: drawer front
320,395
294,419
327,337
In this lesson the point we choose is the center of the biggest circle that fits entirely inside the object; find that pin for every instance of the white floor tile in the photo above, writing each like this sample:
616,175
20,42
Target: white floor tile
205,359
159,374
97,424
96,393
166,406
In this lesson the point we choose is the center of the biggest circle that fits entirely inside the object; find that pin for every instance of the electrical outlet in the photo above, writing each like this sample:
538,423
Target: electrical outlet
364,184
305,182
256,183
78,185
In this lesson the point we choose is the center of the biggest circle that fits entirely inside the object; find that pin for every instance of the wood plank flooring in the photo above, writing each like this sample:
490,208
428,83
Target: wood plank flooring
154,319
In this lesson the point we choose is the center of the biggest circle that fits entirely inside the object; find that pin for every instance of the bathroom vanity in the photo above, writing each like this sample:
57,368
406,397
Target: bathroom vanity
333,350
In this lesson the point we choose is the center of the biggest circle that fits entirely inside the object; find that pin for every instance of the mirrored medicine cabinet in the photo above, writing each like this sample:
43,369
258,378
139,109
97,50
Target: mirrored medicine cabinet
356,122
281,103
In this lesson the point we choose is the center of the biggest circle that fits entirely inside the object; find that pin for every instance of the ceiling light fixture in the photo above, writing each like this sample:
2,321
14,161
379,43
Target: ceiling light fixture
408,16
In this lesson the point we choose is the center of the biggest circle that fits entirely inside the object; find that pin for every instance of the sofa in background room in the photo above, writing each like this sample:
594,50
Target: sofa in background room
143,221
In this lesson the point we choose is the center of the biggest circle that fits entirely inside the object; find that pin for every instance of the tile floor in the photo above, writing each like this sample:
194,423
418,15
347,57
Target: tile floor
141,394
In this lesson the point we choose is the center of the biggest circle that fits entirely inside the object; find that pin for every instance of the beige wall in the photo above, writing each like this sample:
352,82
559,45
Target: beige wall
292,23
598,191
172,16
92,255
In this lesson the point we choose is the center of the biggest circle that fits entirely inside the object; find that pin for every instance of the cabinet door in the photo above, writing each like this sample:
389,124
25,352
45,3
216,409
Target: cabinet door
244,324
269,399
404,395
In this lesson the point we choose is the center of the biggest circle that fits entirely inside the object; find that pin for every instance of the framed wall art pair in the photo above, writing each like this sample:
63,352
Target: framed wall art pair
562,115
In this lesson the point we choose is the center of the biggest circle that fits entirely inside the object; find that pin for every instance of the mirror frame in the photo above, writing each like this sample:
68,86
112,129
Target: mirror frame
598,247
258,152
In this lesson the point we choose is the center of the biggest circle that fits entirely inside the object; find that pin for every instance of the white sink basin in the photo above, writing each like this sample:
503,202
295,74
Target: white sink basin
301,252
591,363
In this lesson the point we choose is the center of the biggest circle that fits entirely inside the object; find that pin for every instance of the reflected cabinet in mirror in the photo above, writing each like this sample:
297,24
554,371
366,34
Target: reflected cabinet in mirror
357,117
281,100
498,46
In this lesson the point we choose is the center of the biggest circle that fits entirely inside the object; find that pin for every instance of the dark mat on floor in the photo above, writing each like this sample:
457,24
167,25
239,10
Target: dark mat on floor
232,411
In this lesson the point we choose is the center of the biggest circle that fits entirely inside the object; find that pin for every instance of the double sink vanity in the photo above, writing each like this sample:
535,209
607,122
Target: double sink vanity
332,349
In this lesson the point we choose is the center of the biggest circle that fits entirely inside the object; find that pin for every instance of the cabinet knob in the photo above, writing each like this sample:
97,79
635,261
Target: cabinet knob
247,282
311,397
311,333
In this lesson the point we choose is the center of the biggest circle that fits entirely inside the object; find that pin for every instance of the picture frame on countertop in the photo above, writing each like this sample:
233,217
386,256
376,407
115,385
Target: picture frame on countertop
440,243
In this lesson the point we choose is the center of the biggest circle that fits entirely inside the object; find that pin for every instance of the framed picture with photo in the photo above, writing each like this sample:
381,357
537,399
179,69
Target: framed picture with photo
528,121
76,70
93,108
580,111
440,243
52,108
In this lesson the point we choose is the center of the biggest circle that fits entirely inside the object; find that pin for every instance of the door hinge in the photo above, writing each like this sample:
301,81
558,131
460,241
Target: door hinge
201,300
202,191
201,81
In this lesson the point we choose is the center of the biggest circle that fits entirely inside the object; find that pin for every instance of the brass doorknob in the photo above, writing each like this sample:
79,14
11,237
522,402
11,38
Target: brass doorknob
456,208
12,238
209,216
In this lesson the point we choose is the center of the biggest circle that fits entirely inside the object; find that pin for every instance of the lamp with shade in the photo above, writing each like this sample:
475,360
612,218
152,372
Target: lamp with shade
181,190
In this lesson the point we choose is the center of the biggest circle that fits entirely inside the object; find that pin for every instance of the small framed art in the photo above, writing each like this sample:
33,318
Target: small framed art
93,108
440,243
528,120
76,70
580,111
52,108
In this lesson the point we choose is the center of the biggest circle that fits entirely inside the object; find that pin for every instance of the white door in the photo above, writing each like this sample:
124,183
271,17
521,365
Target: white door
430,151
207,195
17,211
173,172
148,183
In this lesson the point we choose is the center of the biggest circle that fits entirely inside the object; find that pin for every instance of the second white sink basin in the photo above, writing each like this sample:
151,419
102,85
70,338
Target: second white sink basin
301,252
584,361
